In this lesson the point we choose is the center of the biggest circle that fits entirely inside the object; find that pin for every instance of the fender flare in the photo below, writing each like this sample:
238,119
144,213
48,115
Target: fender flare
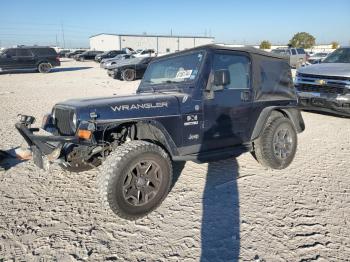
156,132
152,131
292,113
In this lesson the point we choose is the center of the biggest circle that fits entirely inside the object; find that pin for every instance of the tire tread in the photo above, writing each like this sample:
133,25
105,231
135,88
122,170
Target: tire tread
114,161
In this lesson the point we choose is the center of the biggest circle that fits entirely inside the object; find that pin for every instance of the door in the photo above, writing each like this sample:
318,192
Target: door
226,115
8,59
294,59
24,59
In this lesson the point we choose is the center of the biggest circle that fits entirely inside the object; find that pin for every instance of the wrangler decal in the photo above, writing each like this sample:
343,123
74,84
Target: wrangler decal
139,106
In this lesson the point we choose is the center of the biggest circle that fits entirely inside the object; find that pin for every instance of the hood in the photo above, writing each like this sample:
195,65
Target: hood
105,60
327,69
131,61
142,105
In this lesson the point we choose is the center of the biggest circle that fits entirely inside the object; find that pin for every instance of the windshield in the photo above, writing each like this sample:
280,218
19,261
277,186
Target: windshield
341,55
182,68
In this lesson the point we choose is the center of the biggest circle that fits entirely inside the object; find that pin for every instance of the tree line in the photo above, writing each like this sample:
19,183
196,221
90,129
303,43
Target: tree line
299,40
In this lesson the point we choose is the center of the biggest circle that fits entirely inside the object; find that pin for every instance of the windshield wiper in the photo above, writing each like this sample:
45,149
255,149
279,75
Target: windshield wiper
170,82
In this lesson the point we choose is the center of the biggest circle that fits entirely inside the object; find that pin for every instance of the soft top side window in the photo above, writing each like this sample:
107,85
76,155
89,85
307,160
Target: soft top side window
238,66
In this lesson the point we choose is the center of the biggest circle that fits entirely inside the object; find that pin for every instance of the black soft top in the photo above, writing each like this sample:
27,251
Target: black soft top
247,49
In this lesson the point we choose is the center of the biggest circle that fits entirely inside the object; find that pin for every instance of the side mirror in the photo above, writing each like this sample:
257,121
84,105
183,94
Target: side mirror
221,78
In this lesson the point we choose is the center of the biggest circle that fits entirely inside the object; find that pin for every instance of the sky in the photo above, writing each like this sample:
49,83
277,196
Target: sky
70,23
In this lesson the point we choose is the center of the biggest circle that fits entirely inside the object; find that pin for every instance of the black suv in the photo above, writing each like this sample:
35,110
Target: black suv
202,104
109,54
28,58
87,55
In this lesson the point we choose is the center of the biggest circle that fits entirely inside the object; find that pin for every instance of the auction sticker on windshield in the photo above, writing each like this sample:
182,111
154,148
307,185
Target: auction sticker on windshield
183,74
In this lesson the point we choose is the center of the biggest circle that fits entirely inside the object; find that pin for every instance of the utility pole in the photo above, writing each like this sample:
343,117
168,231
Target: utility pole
64,42
56,41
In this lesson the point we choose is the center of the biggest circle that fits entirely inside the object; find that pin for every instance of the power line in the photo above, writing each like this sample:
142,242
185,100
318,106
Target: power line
64,42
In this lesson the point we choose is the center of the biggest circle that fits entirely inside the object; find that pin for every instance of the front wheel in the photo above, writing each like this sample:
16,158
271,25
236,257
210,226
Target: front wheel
135,179
129,75
276,146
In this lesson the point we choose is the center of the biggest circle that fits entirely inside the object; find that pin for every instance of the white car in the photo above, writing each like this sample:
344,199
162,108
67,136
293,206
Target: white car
146,53
106,63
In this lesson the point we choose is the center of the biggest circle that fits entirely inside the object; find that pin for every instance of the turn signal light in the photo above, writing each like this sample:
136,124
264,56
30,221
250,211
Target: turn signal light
84,134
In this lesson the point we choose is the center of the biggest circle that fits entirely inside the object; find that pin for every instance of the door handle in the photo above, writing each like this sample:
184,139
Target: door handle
245,95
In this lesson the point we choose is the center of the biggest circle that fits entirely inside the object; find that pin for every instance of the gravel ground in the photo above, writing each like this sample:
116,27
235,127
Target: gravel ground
214,212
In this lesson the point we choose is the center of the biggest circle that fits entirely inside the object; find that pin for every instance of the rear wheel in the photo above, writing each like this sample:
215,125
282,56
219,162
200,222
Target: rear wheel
135,179
276,146
129,75
44,67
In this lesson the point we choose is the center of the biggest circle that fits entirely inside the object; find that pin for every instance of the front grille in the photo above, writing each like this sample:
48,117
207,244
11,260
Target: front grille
63,121
324,77
322,89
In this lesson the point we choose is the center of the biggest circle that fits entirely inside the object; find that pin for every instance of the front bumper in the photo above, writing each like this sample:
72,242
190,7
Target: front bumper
113,73
332,103
46,147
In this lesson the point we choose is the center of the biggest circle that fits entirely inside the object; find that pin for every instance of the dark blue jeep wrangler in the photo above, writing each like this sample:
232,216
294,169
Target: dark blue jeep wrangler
204,104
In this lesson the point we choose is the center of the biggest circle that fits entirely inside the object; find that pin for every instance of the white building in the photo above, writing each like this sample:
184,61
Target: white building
160,43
